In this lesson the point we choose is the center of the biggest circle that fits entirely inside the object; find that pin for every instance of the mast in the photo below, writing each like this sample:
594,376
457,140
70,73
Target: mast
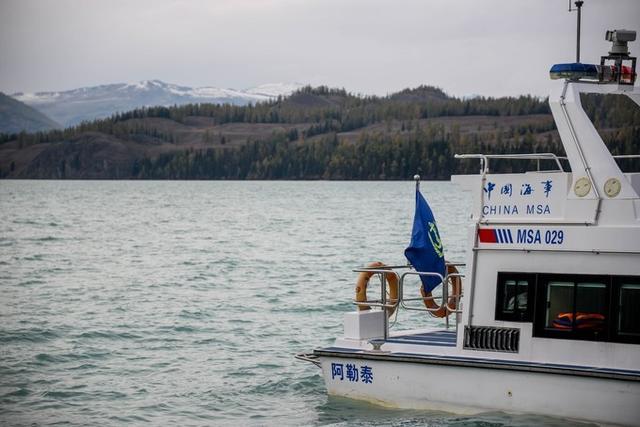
578,4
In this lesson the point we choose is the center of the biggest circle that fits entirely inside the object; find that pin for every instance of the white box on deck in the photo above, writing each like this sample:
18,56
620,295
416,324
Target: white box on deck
363,325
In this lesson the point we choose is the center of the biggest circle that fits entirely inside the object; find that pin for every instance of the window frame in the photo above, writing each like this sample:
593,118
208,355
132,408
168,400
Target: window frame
536,311
617,282
539,323
518,315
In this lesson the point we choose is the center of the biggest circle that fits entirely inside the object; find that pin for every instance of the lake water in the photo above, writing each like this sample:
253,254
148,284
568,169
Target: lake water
183,303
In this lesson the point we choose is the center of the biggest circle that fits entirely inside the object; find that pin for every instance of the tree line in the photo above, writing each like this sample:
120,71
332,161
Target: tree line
315,149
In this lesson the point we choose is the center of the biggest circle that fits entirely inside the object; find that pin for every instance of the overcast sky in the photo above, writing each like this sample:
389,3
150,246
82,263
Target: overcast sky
486,47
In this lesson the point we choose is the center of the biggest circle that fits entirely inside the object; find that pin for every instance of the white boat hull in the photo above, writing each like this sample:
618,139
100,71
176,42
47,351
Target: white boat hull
469,390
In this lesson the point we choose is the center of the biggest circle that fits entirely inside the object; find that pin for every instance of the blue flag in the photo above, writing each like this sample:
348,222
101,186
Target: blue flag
425,252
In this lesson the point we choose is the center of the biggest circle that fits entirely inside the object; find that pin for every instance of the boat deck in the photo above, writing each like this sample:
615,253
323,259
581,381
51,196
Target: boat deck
431,338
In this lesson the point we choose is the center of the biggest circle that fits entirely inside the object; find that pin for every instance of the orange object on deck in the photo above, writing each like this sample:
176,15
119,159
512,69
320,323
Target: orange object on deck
363,281
456,284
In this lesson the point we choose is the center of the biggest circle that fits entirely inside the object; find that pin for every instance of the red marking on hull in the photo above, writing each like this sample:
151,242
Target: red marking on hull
487,235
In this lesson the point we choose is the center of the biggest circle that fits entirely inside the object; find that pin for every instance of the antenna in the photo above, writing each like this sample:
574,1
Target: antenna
578,4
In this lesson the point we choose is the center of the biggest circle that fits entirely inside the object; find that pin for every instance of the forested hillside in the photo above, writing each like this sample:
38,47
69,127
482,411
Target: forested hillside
316,133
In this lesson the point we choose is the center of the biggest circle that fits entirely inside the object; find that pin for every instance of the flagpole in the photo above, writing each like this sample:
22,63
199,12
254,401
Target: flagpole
416,178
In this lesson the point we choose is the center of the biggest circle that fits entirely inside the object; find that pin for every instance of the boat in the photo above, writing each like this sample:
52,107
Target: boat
547,318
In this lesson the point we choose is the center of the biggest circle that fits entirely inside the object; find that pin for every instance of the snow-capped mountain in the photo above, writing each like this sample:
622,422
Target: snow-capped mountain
273,90
74,106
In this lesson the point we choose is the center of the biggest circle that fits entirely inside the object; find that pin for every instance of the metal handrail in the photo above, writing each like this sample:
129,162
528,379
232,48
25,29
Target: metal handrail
432,298
445,293
399,302
382,271
484,159
382,267
626,157
583,160
444,281
309,357
456,296
389,270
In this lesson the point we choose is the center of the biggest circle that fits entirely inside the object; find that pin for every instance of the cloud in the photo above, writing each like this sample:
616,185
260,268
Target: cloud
490,47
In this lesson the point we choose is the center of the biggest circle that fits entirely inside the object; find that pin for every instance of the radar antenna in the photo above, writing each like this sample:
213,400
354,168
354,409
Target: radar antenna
619,53
620,71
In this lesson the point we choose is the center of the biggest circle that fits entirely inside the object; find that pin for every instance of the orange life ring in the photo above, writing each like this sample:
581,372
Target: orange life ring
363,281
456,285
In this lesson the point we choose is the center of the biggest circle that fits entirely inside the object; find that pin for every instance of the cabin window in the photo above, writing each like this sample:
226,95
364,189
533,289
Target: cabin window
591,306
567,306
573,307
559,304
627,328
514,296
629,315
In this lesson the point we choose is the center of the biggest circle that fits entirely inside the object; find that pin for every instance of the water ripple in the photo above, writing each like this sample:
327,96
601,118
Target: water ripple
183,303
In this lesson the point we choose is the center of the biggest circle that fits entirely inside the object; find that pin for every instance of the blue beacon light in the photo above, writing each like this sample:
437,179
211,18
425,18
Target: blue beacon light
604,73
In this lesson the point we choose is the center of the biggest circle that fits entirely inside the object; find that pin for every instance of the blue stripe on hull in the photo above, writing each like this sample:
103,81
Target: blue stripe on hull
462,361
439,338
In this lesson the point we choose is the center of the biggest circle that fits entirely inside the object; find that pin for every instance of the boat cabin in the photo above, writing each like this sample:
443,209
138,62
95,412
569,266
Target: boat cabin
550,294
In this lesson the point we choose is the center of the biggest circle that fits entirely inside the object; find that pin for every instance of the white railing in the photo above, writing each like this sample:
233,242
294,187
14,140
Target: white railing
399,303
484,159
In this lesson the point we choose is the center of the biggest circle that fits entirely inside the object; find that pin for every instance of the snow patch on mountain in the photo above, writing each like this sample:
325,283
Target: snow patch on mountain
273,90
88,103
35,98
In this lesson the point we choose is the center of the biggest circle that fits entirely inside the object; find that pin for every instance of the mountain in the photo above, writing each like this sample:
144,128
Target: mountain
89,103
16,117
274,90
315,133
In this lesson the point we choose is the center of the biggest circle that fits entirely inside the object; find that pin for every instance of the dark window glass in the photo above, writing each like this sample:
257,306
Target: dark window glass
559,303
509,291
591,307
573,307
512,298
515,295
522,296
629,310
